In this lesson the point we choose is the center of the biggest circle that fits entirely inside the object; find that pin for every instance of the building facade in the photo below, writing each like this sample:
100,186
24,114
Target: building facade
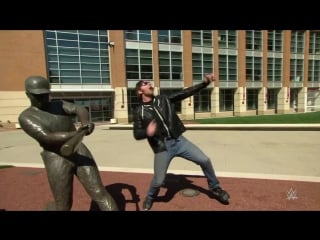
258,72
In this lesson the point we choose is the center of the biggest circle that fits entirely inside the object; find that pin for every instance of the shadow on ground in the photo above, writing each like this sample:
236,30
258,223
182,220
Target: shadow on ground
179,184
117,191
174,184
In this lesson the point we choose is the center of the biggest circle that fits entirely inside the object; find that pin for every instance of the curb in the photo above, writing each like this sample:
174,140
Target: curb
244,127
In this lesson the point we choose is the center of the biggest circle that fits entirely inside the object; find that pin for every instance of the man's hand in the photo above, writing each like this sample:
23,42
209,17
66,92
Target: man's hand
209,77
151,129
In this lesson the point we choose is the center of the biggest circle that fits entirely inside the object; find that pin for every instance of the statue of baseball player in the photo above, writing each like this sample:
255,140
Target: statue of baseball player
51,124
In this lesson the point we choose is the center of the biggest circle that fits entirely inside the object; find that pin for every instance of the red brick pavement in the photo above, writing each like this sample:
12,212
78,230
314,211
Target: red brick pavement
27,189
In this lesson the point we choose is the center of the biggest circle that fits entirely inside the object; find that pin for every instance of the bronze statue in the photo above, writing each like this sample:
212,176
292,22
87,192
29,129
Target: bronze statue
51,124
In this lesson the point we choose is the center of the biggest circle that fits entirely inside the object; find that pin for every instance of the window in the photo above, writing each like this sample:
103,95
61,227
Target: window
100,107
254,40
252,99
228,39
77,56
274,69
202,38
228,68
314,44
133,102
314,71
226,98
296,70
169,36
138,35
202,101
253,68
272,96
201,64
297,41
139,64
170,65
275,40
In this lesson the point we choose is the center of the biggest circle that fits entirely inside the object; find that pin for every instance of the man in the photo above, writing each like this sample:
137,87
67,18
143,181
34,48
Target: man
51,124
156,120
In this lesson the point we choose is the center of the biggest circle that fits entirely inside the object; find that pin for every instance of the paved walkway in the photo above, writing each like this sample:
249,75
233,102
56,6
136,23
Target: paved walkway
262,170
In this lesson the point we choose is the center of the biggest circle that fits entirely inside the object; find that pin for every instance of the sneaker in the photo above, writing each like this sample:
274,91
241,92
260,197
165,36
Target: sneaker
147,204
221,194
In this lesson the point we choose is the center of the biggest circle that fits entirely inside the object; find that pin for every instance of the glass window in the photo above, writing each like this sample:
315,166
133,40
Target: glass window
253,68
201,64
90,67
91,37
272,96
100,108
139,64
228,68
275,40
252,99
274,69
69,66
133,102
314,71
67,43
227,39
89,45
202,101
314,43
226,99
254,40
138,35
173,61
296,70
73,50
169,36
131,35
297,41
89,52
202,38
50,35
68,51
67,36
90,59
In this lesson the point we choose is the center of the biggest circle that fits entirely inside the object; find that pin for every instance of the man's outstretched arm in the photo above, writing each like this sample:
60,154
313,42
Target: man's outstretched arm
187,92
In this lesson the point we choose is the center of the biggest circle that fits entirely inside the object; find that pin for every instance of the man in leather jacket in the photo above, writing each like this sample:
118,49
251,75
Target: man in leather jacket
51,124
156,120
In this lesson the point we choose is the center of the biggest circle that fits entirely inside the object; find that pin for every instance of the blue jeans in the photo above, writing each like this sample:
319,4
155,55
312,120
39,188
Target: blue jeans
180,147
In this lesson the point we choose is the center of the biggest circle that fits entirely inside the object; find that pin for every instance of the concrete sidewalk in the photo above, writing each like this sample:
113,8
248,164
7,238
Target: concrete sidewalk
272,153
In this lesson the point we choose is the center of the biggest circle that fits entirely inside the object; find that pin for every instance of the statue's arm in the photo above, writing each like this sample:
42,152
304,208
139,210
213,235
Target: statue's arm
82,114
37,130
80,111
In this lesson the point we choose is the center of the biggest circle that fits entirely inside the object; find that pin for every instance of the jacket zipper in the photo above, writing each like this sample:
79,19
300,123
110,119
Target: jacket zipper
160,116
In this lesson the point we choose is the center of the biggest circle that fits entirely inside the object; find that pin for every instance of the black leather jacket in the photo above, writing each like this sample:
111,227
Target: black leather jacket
167,117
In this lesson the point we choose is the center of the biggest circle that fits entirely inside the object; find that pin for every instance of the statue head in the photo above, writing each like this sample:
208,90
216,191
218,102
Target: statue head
37,85
38,89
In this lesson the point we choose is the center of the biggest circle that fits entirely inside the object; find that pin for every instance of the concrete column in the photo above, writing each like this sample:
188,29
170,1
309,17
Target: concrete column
187,109
215,101
302,100
240,102
262,101
121,105
283,101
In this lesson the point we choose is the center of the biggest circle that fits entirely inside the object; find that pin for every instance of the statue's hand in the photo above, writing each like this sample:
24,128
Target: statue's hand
89,127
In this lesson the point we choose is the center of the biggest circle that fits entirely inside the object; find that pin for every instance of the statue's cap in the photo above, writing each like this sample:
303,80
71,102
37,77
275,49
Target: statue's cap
37,85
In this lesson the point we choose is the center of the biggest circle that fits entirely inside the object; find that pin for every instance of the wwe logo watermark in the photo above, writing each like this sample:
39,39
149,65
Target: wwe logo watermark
292,194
